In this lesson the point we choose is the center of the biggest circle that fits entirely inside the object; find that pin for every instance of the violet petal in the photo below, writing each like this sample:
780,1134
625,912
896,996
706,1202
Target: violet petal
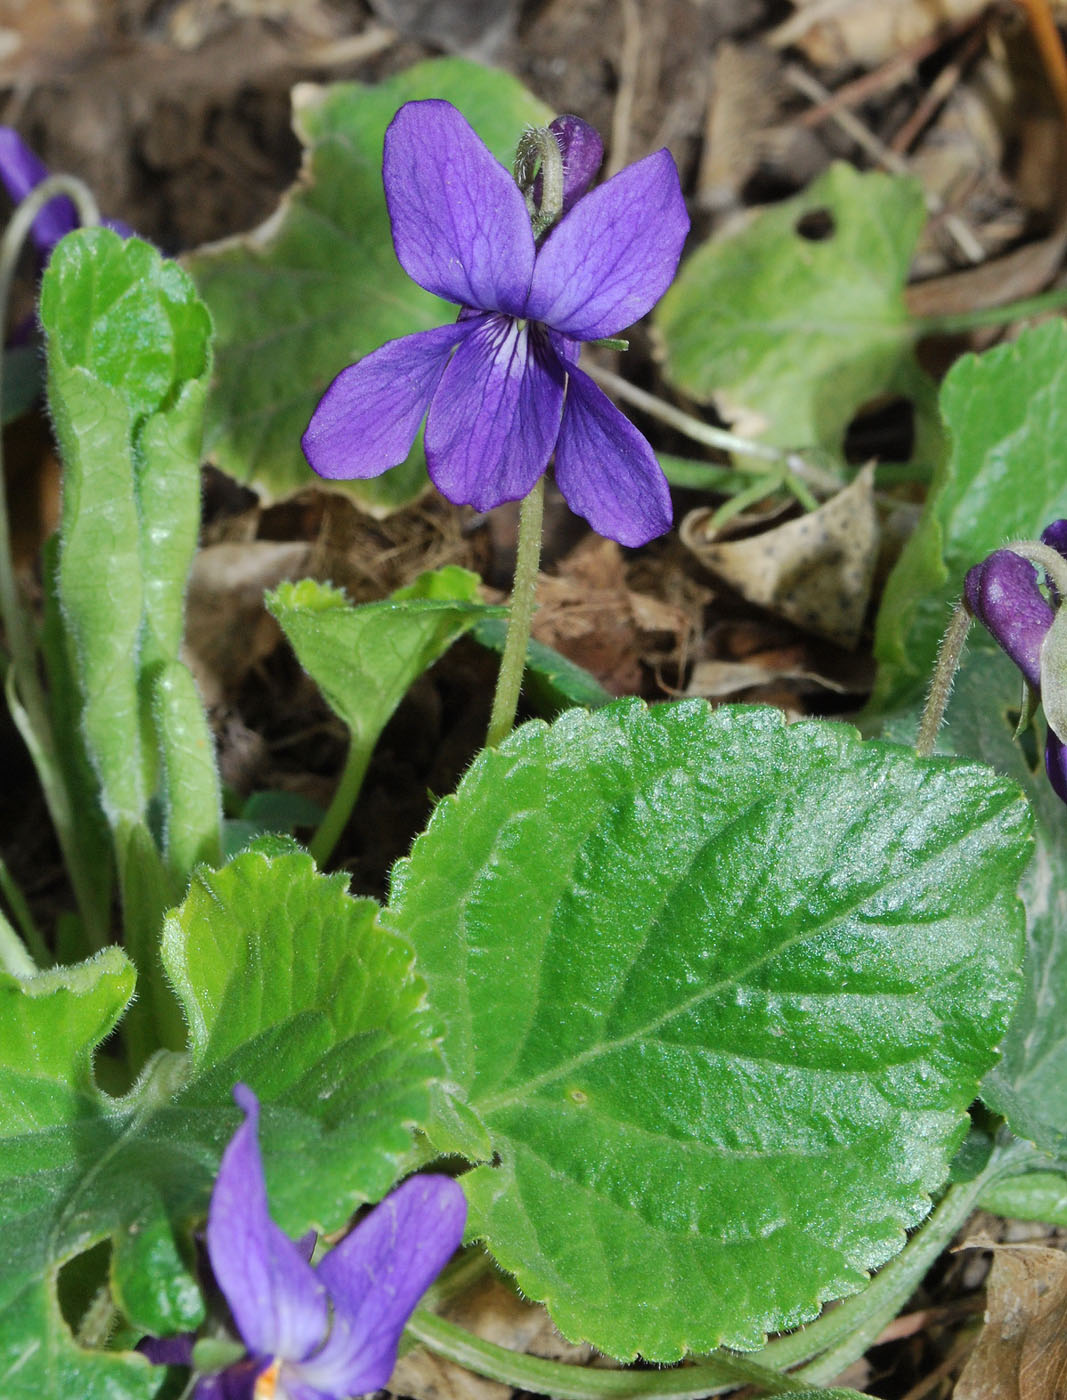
1003,593
168,1351
607,262
368,418
20,172
278,1303
495,416
1055,535
460,226
1056,763
376,1276
236,1382
606,470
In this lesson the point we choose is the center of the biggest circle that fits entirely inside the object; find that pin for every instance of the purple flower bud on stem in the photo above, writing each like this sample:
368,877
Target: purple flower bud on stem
1003,594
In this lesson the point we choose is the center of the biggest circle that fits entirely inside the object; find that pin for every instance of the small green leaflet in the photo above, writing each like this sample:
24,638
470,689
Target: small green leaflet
720,991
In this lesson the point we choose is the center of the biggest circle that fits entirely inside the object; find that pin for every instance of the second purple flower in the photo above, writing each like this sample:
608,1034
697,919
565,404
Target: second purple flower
500,387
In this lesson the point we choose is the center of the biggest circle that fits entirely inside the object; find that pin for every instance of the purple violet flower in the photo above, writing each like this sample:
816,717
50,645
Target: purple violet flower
324,1332
1004,594
20,172
502,385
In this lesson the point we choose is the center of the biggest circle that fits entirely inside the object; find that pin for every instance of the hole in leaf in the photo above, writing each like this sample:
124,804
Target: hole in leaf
885,430
817,225
78,1287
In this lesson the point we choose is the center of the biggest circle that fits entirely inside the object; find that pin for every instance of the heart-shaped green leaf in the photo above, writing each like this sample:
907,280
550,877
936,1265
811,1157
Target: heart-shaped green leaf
720,991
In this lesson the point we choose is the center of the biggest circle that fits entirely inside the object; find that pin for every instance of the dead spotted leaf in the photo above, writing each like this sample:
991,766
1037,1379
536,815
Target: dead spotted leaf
815,571
1022,1352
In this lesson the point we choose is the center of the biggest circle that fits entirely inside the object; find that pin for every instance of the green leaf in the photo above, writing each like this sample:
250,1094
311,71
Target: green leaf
720,991
797,333
49,1027
289,985
318,286
551,682
365,658
1035,1196
1006,478
129,354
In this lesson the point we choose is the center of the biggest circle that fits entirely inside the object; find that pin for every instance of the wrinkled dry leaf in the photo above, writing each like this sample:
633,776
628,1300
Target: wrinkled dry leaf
745,97
815,571
590,615
839,33
715,680
1022,1352
494,1311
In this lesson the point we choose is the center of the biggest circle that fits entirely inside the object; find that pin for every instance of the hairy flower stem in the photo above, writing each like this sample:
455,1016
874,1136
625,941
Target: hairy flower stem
948,660
523,601
26,698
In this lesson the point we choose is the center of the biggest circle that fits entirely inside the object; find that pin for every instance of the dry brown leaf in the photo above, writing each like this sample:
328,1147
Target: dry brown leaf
590,615
840,33
228,630
745,98
1022,1352
815,571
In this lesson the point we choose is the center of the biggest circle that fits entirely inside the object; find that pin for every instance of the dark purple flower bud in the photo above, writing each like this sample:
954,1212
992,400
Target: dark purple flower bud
1055,536
21,172
582,151
1003,594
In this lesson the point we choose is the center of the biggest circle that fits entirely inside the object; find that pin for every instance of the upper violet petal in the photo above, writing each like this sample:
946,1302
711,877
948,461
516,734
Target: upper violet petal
606,470
278,1303
495,416
460,226
608,261
367,419
20,172
376,1276
1003,593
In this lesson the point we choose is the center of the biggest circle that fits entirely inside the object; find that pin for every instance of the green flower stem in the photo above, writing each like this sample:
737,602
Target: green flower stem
344,799
963,321
523,601
824,482
567,1382
948,660
29,707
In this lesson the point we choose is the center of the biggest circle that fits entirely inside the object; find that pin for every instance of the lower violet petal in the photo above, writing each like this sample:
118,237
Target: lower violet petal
278,1303
367,419
606,470
376,1276
495,415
